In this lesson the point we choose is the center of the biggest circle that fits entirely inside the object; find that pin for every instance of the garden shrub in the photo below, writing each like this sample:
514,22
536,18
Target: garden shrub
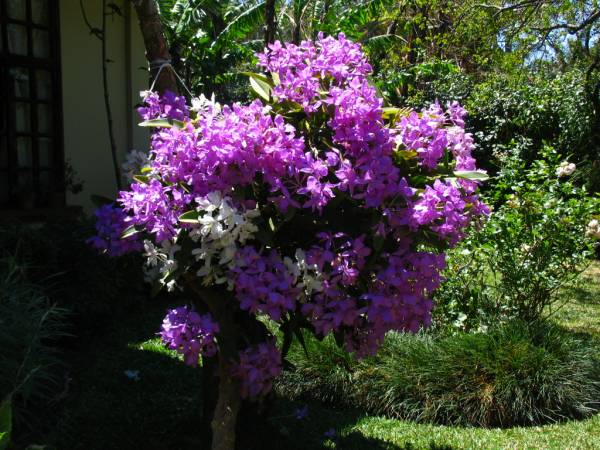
56,258
537,109
511,109
533,244
515,374
31,369
313,205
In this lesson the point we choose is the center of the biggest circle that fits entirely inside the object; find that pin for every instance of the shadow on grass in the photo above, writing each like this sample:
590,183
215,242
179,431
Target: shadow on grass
585,295
105,409
327,427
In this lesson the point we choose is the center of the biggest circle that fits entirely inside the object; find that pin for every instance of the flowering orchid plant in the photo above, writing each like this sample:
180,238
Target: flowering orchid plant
314,206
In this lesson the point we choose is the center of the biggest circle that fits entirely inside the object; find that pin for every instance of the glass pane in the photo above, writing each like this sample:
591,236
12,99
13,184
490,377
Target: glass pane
24,152
20,77
39,12
43,84
41,44
45,180
17,9
4,191
24,191
44,119
3,152
22,117
46,152
17,39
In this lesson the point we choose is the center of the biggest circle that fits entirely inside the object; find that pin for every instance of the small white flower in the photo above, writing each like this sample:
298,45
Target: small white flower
135,161
168,267
593,228
300,257
171,285
170,248
460,320
228,254
209,203
565,169
203,104
205,269
221,228
307,276
292,267
225,212
312,284
132,374
151,253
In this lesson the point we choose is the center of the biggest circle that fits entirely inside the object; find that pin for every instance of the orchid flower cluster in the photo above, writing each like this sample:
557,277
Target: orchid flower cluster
190,334
314,206
111,222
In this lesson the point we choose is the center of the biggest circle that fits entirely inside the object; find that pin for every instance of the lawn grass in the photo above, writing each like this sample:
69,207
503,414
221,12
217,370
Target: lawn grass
582,310
107,410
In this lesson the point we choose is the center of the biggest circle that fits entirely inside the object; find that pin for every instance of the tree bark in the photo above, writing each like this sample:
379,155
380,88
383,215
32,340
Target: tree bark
223,425
157,50
270,25
229,400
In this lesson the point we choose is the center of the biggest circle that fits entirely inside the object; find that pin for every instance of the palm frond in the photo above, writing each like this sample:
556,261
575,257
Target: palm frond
243,24
383,42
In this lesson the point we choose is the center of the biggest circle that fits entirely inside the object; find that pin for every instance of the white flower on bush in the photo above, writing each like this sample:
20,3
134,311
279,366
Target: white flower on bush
307,276
135,161
161,262
151,253
593,228
514,202
221,227
525,248
460,321
565,169
205,105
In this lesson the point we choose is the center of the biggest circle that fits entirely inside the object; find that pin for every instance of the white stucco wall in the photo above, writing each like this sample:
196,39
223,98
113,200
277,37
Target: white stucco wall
86,142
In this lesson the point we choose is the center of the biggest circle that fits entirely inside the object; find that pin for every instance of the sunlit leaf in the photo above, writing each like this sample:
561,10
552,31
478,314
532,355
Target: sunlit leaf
476,175
189,217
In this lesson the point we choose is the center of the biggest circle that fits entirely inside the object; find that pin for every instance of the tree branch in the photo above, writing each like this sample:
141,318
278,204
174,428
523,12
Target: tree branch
155,43
572,28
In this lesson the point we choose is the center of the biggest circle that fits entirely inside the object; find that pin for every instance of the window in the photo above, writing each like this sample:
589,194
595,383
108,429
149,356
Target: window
31,166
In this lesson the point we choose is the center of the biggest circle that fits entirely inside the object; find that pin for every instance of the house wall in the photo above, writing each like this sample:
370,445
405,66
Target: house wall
86,141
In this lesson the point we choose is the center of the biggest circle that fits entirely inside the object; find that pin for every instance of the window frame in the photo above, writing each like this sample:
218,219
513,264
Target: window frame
55,198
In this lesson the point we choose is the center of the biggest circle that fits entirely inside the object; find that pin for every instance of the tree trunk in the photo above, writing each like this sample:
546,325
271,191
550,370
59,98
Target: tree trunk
228,400
227,409
296,35
270,25
297,31
157,50
220,304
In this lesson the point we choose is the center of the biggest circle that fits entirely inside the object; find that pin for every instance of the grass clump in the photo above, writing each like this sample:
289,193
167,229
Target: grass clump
515,374
30,365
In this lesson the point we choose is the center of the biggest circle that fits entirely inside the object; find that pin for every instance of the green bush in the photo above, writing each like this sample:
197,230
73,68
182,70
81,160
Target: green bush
516,374
533,244
534,110
507,110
